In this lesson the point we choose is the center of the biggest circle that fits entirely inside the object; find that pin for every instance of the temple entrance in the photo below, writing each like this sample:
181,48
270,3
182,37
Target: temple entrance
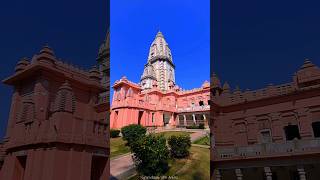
166,119
20,167
292,131
98,165
140,117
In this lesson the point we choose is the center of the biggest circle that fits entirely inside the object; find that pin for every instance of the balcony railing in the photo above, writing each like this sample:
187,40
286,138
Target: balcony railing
196,108
294,147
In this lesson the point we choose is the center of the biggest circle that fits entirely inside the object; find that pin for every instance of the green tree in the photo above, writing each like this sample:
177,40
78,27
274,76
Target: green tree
151,155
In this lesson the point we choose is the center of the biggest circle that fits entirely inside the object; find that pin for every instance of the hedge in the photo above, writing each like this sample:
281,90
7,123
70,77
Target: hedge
151,155
179,145
132,133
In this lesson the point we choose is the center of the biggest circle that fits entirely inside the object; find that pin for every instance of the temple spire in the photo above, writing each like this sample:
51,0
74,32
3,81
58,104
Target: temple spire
159,48
159,67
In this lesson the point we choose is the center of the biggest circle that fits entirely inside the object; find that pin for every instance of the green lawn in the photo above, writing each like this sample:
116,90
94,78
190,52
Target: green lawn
203,141
171,133
117,147
195,167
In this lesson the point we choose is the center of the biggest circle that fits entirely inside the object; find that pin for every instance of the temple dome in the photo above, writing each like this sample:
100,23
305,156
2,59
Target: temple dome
159,48
205,84
226,87
22,64
46,55
215,81
148,72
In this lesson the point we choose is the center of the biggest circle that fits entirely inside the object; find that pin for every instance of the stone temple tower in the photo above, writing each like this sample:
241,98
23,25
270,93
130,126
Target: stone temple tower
160,67
104,53
103,60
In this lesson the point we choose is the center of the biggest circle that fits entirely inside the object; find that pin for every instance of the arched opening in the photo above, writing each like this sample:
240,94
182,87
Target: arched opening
316,129
201,103
292,132
140,117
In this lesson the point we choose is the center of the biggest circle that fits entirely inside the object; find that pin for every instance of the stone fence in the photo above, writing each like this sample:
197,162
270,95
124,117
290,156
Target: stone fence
294,147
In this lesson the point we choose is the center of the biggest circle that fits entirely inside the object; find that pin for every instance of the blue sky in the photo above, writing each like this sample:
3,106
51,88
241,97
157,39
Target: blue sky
74,29
185,25
262,42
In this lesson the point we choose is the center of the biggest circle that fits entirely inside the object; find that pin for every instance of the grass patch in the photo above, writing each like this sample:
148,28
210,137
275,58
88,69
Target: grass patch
196,166
203,141
167,134
118,147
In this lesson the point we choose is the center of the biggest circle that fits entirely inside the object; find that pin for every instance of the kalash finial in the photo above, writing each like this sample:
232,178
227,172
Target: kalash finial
159,33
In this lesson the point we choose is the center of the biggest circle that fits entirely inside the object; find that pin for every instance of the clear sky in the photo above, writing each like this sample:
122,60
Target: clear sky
262,42
73,28
185,25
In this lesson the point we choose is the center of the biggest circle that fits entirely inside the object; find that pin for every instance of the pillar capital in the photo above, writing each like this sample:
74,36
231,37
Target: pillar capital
239,174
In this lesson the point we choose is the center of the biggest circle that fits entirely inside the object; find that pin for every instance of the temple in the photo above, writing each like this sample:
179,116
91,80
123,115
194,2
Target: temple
58,125
157,101
271,133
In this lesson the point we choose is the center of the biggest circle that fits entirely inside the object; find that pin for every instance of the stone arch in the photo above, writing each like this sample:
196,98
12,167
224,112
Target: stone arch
130,92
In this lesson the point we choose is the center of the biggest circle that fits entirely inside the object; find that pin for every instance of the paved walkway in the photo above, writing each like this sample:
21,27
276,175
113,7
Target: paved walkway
123,166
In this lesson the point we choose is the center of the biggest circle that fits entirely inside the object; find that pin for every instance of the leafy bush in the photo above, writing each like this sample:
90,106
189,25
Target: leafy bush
179,145
132,133
114,133
192,127
201,126
151,155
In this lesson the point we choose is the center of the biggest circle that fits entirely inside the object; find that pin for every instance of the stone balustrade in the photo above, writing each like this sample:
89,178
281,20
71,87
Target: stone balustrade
294,147
193,109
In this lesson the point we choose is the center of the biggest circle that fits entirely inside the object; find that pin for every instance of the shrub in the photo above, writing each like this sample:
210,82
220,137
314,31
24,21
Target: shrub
192,127
151,155
114,133
179,145
201,126
133,132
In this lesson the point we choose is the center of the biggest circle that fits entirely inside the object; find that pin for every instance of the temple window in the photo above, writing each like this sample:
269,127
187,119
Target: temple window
316,129
292,132
265,136
201,103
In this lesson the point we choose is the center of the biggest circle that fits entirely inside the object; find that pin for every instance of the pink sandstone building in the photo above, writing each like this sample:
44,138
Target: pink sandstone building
58,123
157,101
271,133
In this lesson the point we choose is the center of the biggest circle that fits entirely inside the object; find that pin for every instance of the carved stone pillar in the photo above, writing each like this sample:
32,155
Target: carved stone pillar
194,118
305,121
276,127
239,174
302,173
184,120
268,173
217,174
